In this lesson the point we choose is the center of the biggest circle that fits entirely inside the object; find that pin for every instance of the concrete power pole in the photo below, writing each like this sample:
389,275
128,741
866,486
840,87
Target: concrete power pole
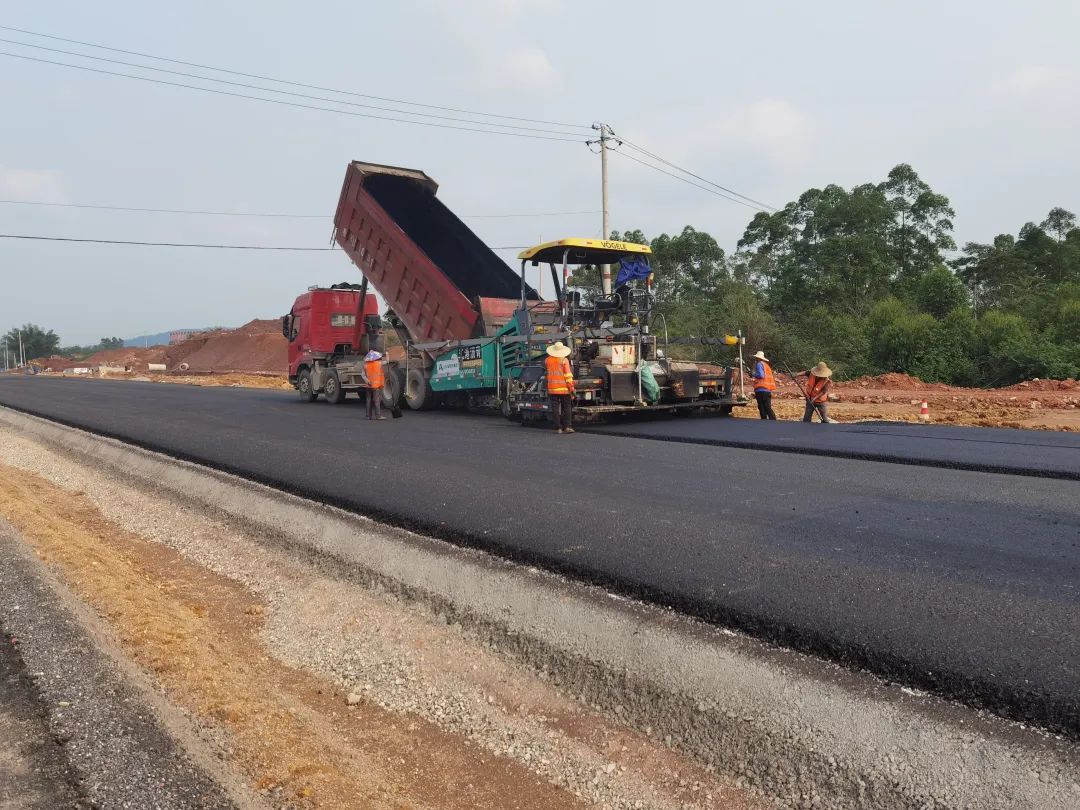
605,270
22,351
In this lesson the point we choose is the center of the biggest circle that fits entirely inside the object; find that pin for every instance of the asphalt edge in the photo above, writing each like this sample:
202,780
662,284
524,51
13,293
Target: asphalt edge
790,725
126,746
883,458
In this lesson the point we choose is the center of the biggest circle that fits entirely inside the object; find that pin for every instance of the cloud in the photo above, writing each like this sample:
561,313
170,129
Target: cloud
45,185
498,56
769,130
773,126
1029,80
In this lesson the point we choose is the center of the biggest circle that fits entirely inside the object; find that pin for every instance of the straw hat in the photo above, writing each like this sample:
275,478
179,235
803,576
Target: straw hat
372,355
821,370
558,349
761,356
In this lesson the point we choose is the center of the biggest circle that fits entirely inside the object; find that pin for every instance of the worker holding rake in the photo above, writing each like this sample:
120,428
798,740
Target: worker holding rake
816,392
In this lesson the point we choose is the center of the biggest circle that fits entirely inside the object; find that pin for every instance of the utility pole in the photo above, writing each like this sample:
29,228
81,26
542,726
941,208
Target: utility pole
605,270
22,351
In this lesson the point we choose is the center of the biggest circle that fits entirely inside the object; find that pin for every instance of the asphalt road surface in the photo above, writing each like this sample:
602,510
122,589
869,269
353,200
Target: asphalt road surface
961,582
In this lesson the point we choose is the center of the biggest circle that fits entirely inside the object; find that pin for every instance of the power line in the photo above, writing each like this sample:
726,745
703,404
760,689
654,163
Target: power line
291,83
196,244
541,214
282,92
164,210
684,180
656,157
287,103
160,244
263,214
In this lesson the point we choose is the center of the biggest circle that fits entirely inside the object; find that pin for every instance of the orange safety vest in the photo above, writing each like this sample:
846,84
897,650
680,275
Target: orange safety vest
374,371
817,388
560,377
766,383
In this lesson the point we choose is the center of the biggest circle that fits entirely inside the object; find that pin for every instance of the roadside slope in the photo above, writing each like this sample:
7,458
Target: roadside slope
958,582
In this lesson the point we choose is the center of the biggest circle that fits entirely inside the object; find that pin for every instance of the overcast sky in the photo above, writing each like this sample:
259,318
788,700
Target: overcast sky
767,99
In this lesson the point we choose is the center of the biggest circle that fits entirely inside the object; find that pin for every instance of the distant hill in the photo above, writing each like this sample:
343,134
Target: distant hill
160,339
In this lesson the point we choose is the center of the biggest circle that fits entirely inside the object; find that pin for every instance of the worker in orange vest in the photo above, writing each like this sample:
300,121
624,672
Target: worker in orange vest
560,386
817,392
376,379
764,385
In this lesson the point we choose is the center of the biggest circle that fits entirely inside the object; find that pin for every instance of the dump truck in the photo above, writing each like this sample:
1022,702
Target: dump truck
472,332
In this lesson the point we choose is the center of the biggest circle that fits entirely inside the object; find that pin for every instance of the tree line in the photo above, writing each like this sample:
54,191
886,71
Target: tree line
871,280
41,343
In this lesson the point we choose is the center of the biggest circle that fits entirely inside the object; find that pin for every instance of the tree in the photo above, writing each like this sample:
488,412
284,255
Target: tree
36,342
1059,222
922,225
939,292
111,343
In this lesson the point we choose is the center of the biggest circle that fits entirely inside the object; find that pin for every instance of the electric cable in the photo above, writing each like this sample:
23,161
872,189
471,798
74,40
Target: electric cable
281,92
288,103
666,162
290,83
263,214
688,182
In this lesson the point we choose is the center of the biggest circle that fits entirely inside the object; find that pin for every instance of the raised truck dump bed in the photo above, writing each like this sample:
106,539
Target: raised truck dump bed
428,266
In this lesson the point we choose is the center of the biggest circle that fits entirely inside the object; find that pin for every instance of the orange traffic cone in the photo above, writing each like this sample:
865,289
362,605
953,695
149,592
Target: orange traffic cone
924,412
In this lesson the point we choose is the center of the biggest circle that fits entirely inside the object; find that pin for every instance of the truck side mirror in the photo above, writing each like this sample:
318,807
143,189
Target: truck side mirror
287,329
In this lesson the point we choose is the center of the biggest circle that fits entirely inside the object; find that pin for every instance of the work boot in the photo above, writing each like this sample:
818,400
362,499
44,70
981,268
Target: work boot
569,430
559,430
380,417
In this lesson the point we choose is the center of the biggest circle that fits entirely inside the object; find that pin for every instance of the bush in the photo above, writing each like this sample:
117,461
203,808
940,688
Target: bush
940,292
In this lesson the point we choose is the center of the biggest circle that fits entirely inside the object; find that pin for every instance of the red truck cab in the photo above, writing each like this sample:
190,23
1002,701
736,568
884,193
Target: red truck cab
329,331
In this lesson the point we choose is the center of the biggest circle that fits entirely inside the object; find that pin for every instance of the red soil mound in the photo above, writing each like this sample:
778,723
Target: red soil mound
1046,385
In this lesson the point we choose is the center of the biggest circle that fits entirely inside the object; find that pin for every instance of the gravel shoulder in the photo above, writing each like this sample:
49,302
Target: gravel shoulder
34,770
116,747
319,691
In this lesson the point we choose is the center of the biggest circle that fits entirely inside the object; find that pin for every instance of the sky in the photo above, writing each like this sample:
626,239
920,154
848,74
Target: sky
767,99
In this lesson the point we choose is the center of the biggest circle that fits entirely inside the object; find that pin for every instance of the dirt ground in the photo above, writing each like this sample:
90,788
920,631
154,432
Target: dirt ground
319,692
1038,404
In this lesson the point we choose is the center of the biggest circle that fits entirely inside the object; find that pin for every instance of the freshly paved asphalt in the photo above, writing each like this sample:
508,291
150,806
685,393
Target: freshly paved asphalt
1023,452
961,582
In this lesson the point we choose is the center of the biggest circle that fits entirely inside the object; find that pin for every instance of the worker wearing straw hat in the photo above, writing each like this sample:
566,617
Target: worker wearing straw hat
560,386
764,385
818,382
373,372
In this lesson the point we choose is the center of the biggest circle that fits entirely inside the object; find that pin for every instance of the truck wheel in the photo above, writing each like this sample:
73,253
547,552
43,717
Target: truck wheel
303,386
418,393
391,390
332,389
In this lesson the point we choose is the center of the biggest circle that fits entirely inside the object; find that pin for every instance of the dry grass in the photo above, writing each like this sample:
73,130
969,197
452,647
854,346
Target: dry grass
198,634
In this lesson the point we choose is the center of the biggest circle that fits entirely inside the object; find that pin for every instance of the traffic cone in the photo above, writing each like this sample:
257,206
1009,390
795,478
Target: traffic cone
924,412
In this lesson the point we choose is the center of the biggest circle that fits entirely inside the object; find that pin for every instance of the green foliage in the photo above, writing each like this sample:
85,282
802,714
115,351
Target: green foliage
111,343
938,292
857,277
36,342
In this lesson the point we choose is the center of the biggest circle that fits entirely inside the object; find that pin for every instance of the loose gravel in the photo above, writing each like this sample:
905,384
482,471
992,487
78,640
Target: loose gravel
377,649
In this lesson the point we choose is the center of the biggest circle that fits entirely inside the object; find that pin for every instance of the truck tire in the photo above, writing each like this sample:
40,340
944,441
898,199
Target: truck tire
303,386
391,390
418,393
332,389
